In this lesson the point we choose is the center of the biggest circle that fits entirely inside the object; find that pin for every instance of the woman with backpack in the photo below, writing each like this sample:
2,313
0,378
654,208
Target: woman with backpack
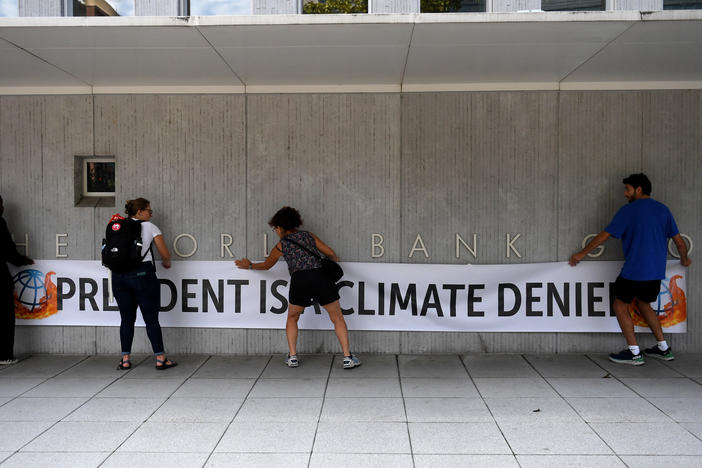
139,286
301,250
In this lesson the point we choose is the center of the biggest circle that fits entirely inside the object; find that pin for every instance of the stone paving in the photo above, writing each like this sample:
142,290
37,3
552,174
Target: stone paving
479,410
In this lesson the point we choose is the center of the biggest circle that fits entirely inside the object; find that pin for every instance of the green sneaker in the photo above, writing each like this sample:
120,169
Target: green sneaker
625,356
655,352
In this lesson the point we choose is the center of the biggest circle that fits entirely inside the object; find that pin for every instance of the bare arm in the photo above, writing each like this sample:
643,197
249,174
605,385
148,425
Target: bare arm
163,251
682,250
325,249
592,245
273,257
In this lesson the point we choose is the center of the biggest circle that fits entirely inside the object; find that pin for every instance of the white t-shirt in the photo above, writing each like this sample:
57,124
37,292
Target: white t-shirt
148,231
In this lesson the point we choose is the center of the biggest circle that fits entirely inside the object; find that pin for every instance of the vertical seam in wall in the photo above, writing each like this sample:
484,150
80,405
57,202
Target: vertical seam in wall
42,110
641,143
246,171
92,97
246,195
401,197
558,190
400,258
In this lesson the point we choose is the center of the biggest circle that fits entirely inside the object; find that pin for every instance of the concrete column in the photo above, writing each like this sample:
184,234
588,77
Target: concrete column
393,6
636,5
276,7
512,5
43,7
161,8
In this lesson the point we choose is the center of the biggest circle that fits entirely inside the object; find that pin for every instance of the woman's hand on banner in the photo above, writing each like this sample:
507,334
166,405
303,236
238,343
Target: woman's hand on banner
243,263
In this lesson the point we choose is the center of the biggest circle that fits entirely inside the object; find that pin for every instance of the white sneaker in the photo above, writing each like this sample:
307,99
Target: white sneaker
291,361
351,361
7,362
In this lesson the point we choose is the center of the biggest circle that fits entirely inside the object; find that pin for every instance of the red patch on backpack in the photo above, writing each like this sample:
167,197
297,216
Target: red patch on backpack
116,227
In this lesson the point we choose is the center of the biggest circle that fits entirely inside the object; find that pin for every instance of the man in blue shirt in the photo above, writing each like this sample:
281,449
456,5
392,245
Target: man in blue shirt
644,226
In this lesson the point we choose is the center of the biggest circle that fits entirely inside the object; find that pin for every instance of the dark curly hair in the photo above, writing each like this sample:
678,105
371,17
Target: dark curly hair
287,218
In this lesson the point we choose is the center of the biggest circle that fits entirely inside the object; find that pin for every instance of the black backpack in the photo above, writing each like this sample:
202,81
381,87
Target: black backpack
121,247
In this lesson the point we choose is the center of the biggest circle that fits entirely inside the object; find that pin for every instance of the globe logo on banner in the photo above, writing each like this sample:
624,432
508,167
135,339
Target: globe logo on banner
670,307
35,294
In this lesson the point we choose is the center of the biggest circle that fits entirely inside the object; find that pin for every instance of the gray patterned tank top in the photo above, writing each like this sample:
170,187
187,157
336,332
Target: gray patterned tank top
298,258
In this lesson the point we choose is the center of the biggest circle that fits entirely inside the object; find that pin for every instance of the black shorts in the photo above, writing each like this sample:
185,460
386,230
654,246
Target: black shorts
307,285
626,290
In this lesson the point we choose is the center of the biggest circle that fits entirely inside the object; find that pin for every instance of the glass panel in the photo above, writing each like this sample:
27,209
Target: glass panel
100,177
682,4
220,7
448,6
335,6
122,7
103,7
9,8
573,5
78,8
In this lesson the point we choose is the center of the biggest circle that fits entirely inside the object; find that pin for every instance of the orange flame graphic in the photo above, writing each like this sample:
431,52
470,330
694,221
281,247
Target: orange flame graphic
49,303
673,312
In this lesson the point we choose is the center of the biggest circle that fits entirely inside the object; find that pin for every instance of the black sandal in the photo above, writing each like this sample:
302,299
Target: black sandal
165,364
124,364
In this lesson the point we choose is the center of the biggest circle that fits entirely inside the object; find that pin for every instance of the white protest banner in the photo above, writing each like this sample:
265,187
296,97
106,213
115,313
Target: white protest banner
537,297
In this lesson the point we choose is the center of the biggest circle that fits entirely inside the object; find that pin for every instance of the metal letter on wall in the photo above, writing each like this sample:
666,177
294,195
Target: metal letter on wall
377,245
60,244
418,246
598,251
178,252
687,240
24,244
225,245
510,244
473,250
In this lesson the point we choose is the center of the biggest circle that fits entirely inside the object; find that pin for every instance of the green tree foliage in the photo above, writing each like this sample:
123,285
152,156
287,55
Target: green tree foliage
440,6
335,6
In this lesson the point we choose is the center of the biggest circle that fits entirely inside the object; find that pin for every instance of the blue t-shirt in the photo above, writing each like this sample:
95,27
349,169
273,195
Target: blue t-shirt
644,226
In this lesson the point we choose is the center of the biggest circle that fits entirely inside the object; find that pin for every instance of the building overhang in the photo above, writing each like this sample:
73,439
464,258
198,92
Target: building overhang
352,53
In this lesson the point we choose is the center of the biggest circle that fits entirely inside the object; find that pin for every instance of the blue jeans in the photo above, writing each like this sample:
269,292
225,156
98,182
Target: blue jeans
140,288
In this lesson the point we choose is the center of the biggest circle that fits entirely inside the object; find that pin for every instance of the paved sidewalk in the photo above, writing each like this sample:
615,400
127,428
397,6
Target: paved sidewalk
490,410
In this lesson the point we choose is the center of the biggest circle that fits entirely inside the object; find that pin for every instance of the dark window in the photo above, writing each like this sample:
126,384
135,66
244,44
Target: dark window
573,5
682,4
99,178
449,6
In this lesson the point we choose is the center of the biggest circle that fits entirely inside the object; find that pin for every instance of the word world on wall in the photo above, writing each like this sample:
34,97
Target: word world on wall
185,245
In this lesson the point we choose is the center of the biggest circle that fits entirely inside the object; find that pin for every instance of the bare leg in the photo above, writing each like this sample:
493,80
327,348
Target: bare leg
294,312
625,322
337,318
651,319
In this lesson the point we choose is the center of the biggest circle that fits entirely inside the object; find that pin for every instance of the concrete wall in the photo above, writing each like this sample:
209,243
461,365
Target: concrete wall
276,7
160,8
393,6
40,7
547,165
513,5
642,5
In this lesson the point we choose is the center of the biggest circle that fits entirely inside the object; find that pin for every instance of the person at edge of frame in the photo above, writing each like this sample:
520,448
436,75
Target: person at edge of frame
8,253
307,280
140,287
644,226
